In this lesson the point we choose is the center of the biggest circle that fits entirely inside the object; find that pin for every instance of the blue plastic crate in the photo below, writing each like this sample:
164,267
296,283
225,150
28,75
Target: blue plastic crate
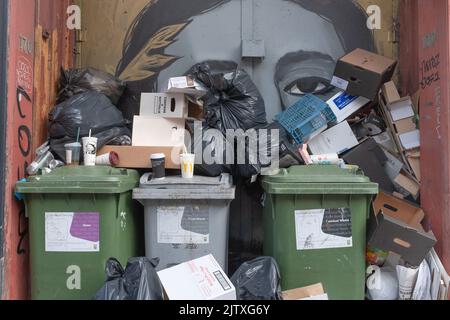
307,116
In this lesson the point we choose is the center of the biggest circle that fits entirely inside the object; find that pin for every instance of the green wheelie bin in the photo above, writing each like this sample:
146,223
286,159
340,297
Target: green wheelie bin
315,227
79,217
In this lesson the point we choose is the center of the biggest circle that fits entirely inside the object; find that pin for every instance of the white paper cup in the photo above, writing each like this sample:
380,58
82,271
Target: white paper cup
68,156
187,161
90,151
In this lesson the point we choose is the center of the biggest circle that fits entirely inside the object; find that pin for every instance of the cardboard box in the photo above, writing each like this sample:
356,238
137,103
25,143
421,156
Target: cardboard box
405,125
344,105
362,73
196,111
401,109
372,160
390,92
186,85
158,132
163,105
139,157
395,225
408,184
337,139
314,292
410,140
413,157
200,279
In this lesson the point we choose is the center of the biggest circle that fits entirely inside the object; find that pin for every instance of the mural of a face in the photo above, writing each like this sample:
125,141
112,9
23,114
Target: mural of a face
302,40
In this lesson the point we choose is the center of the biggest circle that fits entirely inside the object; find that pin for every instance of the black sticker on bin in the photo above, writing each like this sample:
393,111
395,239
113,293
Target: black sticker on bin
196,219
337,222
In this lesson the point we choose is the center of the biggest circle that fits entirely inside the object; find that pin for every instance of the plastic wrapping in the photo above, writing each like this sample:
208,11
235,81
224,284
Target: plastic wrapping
139,281
87,111
233,100
76,81
258,279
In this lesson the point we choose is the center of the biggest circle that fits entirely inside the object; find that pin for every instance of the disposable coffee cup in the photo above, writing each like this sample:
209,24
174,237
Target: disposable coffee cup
90,151
158,166
187,161
108,159
73,151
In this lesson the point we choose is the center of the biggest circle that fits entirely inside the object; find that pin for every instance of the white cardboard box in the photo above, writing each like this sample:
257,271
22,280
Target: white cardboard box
164,105
200,279
338,139
158,132
344,105
186,85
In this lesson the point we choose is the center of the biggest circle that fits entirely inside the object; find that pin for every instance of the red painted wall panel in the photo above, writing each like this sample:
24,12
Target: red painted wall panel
20,72
425,65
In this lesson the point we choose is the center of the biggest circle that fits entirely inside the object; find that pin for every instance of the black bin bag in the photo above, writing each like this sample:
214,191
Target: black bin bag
76,81
88,111
139,281
233,100
258,279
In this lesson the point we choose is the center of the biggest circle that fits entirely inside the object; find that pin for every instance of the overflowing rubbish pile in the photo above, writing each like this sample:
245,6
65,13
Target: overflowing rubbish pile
203,132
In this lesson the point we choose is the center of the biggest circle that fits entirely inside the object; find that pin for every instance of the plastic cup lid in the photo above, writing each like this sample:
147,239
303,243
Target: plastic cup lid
157,156
74,144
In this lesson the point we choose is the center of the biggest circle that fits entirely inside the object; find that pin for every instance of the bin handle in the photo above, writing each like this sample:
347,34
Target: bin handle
118,206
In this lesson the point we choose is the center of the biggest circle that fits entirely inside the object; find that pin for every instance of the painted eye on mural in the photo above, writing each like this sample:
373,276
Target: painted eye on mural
312,85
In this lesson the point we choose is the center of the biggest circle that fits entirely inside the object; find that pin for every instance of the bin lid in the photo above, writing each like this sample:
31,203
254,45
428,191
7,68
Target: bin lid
176,187
320,179
81,179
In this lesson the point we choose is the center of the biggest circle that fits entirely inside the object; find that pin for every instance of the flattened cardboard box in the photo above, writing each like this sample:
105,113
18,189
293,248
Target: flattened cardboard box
314,292
199,279
139,157
362,73
395,226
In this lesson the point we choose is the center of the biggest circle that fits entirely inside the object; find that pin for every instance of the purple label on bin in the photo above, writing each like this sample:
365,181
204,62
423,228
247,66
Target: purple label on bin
86,226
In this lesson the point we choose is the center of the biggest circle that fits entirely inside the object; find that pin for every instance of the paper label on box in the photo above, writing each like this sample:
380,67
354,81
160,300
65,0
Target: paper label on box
72,232
323,229
343,100
183,225
339,83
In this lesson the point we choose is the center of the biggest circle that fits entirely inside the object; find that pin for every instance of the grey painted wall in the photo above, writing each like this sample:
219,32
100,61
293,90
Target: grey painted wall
299,41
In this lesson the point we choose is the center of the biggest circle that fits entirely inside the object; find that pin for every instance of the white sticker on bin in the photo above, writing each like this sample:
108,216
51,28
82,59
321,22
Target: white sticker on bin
323,229
183,225
72,232
339,83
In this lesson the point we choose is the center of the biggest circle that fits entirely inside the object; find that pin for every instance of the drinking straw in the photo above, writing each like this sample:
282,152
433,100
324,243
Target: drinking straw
78,134
90,132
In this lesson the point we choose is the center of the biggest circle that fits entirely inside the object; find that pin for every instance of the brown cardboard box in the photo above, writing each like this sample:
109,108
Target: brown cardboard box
395,225
405,125
413,157
139,157
390,92
409,184
196,111
362,73
310,293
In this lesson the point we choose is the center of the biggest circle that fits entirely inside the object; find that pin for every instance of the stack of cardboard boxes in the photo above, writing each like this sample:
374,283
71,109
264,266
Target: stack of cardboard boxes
160,125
